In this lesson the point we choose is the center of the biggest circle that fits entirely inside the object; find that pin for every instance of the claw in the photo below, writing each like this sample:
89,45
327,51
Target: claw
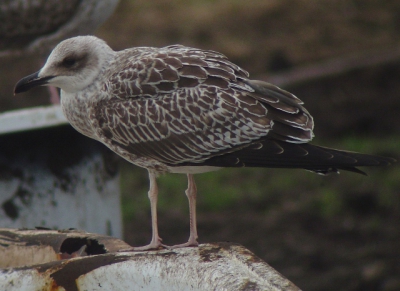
189,243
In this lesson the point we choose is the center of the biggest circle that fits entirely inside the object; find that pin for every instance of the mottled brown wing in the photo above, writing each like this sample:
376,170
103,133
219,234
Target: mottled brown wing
291,122
188,125
178,104
149,72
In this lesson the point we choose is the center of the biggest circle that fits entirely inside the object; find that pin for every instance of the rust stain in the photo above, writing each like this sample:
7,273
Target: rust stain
73,269
210,254
54,286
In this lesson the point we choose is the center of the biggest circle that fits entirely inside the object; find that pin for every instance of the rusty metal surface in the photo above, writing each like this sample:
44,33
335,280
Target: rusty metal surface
216,266
22,247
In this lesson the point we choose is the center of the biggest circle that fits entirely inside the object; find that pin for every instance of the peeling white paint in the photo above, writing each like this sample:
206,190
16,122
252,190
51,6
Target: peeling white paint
86,206
24,280
37,190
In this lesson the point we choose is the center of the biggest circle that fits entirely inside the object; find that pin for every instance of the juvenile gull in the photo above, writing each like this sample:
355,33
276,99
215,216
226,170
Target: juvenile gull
31,26
183,110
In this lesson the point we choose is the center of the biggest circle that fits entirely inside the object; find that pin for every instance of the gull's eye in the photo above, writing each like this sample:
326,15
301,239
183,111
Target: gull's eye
68,62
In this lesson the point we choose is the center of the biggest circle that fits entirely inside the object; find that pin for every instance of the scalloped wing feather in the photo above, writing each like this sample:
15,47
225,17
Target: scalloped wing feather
178,104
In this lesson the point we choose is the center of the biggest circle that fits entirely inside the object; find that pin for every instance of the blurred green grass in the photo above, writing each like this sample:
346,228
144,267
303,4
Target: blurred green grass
323,233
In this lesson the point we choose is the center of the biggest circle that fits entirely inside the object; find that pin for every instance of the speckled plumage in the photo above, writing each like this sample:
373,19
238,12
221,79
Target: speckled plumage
164,107
184,110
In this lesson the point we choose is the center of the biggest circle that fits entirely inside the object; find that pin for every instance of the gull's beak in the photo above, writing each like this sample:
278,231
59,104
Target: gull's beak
31,81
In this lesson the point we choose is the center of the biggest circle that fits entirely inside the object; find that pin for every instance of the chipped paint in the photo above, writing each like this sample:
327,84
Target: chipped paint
22,247
56,178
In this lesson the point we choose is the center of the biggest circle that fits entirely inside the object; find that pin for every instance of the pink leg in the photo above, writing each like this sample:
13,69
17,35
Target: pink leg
53,91
191,194
54,96
155,240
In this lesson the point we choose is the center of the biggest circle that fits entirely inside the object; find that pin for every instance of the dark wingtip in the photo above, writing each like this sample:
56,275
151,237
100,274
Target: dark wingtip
390,161
354,170
384,161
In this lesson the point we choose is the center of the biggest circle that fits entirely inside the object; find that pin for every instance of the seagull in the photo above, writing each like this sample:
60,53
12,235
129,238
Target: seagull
36,26
184,110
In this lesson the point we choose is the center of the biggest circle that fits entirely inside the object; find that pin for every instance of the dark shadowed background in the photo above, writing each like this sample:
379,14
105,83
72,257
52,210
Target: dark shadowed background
340,232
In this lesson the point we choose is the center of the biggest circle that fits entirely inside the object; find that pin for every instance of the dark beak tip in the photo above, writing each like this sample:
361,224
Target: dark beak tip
30,82
18,88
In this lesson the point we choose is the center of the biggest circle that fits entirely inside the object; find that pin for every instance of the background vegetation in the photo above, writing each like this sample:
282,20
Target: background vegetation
339,232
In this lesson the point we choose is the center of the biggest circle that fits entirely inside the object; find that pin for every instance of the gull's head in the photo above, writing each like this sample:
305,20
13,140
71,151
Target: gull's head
72,66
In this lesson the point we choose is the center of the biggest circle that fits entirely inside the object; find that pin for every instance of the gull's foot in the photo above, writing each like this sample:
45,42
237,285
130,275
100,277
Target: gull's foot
192,242
153,245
